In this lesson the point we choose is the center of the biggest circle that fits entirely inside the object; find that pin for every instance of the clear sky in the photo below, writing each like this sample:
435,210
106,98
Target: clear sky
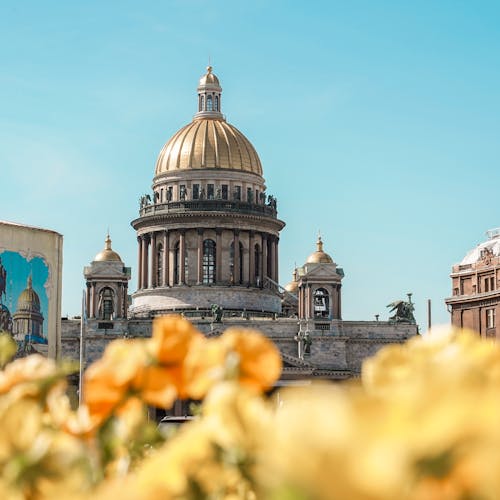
377,123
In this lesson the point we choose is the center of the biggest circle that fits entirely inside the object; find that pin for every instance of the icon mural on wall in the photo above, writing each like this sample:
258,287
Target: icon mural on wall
23,298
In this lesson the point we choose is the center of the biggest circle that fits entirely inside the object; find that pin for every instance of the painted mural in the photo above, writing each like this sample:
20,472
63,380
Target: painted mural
23,298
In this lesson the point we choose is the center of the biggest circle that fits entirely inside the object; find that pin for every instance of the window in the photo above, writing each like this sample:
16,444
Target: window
216,103
490,318
256,196
169,193
196,191
161,195
236,279
321,303
224,191
209,255
210,191
209,103
489,284
106,308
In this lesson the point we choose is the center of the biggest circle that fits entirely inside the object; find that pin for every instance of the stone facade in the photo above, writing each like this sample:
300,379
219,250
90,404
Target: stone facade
475,300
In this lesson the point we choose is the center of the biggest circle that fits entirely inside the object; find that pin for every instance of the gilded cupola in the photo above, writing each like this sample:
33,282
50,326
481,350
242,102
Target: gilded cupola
319,256
208,142
107,254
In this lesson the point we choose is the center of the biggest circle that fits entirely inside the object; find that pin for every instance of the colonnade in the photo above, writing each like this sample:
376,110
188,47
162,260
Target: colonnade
240,257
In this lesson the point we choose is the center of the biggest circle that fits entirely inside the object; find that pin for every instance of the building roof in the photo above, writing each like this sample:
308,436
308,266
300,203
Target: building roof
489,247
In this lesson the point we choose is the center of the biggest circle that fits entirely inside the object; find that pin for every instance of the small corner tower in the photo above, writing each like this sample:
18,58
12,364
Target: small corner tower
107,286
319,287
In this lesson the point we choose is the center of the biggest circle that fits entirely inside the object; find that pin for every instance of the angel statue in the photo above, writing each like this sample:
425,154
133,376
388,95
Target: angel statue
403,311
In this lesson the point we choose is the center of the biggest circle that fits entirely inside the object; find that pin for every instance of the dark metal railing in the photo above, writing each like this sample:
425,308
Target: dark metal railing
241,207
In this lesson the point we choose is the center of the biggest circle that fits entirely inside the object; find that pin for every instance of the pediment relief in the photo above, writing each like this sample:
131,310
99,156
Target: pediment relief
323,271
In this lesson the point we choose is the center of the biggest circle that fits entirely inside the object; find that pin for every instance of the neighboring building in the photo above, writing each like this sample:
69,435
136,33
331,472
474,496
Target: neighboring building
30,287
476,288
208,239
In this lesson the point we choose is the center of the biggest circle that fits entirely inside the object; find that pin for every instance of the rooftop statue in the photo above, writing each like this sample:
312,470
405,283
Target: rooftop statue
403,311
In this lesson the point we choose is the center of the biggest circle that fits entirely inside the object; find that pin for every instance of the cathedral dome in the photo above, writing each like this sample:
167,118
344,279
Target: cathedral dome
319,256
108,254
208,142
28,299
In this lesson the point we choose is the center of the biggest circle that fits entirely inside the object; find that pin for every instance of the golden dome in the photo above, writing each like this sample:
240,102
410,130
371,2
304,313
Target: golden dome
293,286
28,299
319,256
208,143
107,255
209,78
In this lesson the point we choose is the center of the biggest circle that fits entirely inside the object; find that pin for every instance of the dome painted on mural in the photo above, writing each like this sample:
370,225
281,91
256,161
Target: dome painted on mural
208,142
489,247
319,256
28,299
108,254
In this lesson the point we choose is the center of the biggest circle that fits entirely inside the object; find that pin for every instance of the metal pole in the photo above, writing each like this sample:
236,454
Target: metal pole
83,320
429,315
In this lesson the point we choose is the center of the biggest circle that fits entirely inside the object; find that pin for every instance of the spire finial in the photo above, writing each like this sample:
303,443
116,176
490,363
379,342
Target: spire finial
319,243
107,242
30,281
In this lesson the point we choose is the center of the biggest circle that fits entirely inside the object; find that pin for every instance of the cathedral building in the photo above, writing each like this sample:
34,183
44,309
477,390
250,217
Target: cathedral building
475,300
208,248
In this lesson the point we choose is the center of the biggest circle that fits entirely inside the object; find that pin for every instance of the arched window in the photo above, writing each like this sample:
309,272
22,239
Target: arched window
209,103
159,266
236,279
209,252
321,303
106,304
216,103
257,264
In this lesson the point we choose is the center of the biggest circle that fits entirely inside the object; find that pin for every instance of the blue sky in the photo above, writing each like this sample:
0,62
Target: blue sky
376,123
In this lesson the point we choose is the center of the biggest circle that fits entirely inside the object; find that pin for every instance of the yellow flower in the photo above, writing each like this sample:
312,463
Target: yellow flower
241,354
108,381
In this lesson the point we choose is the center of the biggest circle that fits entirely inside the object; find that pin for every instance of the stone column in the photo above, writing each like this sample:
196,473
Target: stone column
272,271
339,316
92,301
166,260
145,259
218,256
125,300
251,258
87,301
264,258
200,257
182,257
139,263
236,266
118,305
154,261
276,260
308,301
